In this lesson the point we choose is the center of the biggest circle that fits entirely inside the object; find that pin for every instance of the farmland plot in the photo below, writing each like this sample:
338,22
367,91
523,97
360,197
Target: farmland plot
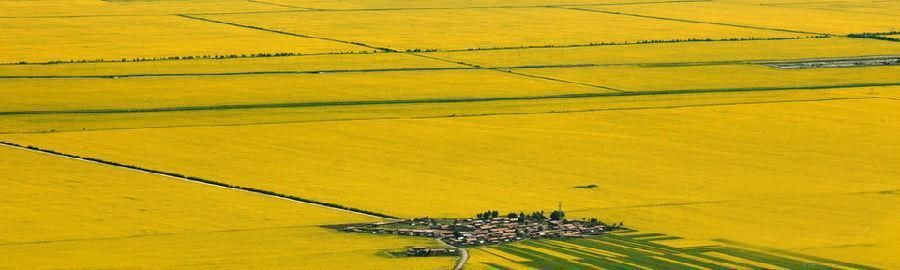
754,15
427,29
230,66
710,77
862,7
734,159
449,4
690,53
124,8
55,8
115,38
266,90
79,214
199,6
67,122
637,250
659,114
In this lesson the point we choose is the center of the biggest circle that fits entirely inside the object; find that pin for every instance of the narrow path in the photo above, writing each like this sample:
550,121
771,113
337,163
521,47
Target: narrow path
463,256
176,176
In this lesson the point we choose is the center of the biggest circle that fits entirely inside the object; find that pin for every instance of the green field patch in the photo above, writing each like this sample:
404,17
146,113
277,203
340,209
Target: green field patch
644,250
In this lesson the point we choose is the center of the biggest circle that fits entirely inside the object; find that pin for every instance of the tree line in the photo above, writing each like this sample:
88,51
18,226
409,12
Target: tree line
651,41
189,57
879,35
540,216
876,35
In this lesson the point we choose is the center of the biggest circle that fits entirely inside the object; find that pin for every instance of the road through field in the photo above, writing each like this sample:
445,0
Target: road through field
463,258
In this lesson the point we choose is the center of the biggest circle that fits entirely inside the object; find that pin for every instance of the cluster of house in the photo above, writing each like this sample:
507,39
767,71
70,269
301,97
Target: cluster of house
485,231
428,252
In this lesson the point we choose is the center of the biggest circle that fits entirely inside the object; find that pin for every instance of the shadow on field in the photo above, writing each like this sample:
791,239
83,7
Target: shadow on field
634,250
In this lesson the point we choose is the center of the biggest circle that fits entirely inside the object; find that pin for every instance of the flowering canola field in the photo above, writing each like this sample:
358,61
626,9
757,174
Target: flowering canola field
87,215
670,109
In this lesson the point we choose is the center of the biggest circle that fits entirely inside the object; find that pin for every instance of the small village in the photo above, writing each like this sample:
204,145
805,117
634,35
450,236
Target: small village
489,228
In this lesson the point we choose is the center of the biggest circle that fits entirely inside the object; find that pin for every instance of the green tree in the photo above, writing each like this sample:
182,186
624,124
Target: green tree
557,215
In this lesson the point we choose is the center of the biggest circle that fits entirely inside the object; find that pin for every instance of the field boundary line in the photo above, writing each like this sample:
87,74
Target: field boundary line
508,71
283,32
385,49
154,235
467,66
627,43
203,181
450,100
292,72
277,4
245,73
460,115
692,21
338,53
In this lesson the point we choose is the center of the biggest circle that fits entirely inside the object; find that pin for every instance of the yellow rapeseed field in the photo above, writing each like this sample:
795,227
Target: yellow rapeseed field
635,78
425,4
445,109
198,6
60,122
301,63
428,29
734,159
888,8
126,8
756,15
275,248
115,38
57,8
187,91
73,213
680,53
